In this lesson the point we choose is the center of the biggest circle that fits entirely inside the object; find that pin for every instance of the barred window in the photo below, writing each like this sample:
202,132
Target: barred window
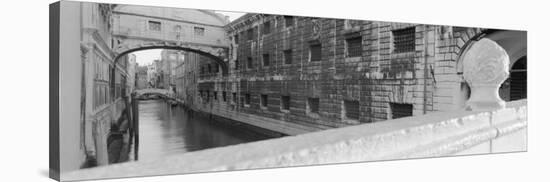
404,40
263,100
351,107
354,47
289,21
285,102
250,63
401,110
199,31
267,28
154,25
250,34
315,52
247,99
288,56
313,105
266,59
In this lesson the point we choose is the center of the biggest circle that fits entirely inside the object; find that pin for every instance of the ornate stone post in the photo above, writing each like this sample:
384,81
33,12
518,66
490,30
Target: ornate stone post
485,68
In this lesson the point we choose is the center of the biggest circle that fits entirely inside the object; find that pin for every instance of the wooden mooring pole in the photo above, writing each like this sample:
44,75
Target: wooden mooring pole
135,113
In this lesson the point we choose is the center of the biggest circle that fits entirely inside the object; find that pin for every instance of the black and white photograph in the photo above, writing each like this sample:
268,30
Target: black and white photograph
271,91
150,90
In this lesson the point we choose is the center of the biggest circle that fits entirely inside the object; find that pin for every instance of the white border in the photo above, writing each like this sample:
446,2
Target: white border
24,134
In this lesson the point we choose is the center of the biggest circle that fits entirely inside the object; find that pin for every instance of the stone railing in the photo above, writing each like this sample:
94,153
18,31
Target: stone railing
431,135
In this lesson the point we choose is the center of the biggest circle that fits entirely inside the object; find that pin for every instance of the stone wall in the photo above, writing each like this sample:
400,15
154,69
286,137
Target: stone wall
382,79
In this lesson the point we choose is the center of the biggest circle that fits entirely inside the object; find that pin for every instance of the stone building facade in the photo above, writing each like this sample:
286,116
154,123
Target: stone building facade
319,73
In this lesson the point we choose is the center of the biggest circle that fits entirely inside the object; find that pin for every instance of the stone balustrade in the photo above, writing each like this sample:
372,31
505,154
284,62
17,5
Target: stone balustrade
432,135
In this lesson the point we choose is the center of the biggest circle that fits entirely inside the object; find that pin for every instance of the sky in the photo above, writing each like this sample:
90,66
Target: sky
146,57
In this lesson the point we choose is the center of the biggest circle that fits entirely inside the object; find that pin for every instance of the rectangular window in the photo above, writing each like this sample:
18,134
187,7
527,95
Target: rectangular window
236,37
400,110
236,64
266,59
154,25
285,103
289,21
263,100
315,52
288,56
313,105
234,97
224,96
249,63
247,99
250,34
351,107
215,94
354,47
266,28
404,40
199,31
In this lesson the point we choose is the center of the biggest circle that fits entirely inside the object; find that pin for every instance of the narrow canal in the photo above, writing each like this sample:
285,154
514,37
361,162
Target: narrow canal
167,130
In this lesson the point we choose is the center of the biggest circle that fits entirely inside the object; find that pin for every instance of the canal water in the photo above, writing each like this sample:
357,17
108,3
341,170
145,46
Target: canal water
167,130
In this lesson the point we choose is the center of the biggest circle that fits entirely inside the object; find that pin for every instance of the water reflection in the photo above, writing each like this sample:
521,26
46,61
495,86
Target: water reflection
166,130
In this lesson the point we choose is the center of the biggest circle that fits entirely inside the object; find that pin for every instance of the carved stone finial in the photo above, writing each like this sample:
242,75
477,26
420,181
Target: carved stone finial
485,68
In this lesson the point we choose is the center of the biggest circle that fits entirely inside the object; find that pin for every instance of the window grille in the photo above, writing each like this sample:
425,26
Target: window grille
404,40
267,28
351,107
199,31
401,110
154,25
315,52
354,47
289,21
247,99
313,105
250,34
288,56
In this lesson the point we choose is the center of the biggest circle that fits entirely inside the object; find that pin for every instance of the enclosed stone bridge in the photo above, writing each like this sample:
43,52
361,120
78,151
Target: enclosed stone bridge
138,28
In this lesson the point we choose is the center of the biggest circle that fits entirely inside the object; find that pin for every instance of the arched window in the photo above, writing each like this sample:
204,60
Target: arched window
518,79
